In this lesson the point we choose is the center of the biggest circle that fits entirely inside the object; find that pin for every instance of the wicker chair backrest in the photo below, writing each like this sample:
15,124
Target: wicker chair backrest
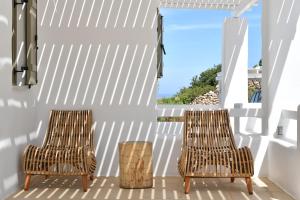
68,128
209,130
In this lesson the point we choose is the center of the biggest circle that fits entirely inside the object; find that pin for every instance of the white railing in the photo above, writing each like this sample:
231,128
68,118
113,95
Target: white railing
166,110
239,111
175,128
249,113
242,115
290,114
293,115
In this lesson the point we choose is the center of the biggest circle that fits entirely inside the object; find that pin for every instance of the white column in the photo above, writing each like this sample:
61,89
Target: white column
234,87
281,83
281,61
237,119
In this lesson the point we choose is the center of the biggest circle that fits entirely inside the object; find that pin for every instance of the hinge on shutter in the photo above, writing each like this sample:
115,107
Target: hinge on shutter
19,3
163,48
36,38
23,68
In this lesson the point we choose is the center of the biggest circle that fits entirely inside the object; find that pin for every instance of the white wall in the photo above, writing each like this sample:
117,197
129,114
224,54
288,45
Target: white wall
17,112
100,55
281,46
234,62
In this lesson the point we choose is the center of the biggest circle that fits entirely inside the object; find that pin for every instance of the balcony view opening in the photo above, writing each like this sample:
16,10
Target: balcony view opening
192,62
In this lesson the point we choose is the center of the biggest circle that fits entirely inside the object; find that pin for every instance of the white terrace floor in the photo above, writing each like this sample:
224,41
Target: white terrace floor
164,188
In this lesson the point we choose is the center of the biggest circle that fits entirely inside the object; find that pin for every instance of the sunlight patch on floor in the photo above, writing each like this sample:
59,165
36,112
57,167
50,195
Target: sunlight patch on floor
163,188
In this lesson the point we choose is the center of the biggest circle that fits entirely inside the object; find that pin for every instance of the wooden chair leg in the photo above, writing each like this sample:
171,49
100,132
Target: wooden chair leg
84,182
27,182
232,179
187,184
249,185
46,177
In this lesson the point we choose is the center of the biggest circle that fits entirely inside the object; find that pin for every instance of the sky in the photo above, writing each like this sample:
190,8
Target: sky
193,43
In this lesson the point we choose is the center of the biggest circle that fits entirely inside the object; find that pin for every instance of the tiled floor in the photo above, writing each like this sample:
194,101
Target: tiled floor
164,188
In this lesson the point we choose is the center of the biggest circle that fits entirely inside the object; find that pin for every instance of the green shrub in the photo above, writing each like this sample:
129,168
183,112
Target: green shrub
199,85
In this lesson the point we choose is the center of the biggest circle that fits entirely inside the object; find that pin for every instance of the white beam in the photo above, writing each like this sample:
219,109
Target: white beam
234,84
200,4
243,7
254,74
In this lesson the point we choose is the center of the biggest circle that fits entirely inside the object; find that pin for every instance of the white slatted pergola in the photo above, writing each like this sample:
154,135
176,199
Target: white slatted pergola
238,7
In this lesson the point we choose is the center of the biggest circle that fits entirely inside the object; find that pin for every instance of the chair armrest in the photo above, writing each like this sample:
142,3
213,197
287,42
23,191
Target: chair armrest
26,154
182,162
192,159
36,157
242,161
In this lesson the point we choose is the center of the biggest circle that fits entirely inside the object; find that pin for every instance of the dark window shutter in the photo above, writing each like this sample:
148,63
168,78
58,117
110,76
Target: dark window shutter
160,46
24,42
32,42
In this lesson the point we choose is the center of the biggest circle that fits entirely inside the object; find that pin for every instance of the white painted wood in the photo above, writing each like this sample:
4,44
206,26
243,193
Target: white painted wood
178,110
243,7
254,74
234,84
200,4
237,118
244,110
281,45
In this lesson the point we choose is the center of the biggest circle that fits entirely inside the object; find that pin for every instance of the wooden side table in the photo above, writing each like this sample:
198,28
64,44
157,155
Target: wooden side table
135,159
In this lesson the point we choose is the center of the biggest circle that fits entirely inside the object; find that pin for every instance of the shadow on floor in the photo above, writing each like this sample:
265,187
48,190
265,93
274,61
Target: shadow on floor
164,188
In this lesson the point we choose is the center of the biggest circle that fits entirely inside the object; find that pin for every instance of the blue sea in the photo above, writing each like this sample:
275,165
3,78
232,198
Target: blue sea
164,95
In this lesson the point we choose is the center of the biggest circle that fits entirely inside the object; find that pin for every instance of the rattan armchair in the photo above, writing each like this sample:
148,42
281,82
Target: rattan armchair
67,149
209,149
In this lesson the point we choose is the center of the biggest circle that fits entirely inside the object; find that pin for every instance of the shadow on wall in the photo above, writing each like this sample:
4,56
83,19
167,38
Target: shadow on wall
17,129
280,78
236,34
253,125
97,75
169,140
279,45
100,55
18,123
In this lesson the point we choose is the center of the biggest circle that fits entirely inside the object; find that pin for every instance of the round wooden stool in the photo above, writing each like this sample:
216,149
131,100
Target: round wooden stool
135,164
